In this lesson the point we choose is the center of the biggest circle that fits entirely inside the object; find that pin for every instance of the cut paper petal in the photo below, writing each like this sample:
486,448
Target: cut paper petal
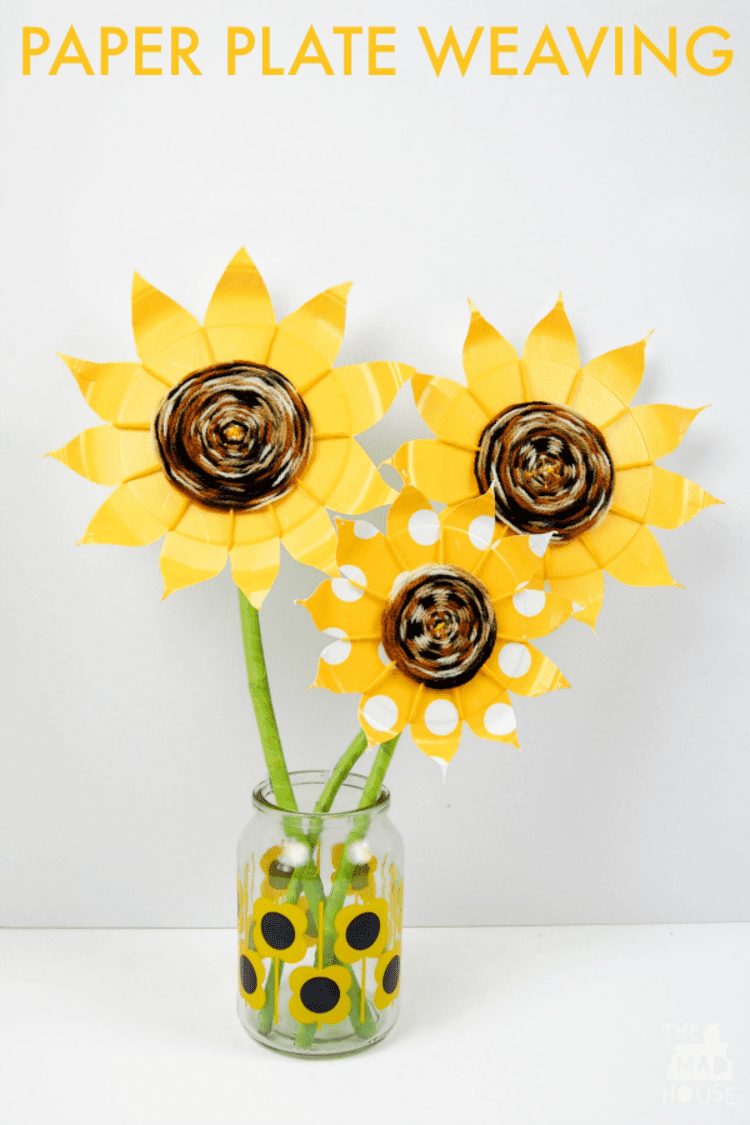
349,665
469,531
594,401
485,350
585,592
523,669
313,542
254,568
207,527
239,321
663,427
509,565
185,561
307,341
341,476
569,560
386,708
620,370
133,516
118,392
551,357
357,618
436,726
350,399
529,614
414,529
625,443
675,499
610,538
487,709
380,564
434,398
170,341
441,471
641,563
630,496
107,455
459,420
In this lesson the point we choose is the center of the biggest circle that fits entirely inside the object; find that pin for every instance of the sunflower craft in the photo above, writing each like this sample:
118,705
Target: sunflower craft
562,451
230,437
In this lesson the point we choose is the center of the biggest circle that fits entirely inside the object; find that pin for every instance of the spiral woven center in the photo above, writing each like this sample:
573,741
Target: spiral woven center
550,470
439,626
233,436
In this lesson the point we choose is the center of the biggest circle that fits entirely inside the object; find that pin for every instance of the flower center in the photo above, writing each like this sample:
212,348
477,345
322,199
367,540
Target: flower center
550,470
236,435
439,626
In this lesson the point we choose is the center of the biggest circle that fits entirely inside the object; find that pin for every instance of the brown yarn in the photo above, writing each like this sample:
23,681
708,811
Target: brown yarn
235,435
549,467
439,625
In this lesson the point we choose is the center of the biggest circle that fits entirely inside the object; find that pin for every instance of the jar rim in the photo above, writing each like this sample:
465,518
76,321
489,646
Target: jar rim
263,798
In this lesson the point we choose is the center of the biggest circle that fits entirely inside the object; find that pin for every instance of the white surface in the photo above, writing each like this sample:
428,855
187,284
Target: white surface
130,743
555,1026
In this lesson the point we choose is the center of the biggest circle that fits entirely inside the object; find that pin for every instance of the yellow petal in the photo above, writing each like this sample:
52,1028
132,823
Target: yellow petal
530,613
675,499
508,565
436,725
386,707
170,341
349,665
313,542
585,591
620,370
307,341
486,707
358,618
625,443
469,531
523,669
239,322
441,471
350,399
118,392
107,455
414,529
569,560
595,401
663,427
434,398
485,350
606,541
294,509
255,527
630,495
254,568
340,475
361,545
130,516
185,561
551,357
642,562
206,526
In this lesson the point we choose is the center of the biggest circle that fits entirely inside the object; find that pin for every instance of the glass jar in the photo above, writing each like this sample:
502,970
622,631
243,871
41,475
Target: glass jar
320,900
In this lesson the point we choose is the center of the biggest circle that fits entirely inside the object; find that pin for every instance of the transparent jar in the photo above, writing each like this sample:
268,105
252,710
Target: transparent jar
320,900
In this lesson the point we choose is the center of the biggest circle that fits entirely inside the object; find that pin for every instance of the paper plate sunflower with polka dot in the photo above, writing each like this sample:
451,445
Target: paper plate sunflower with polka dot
563,452
433,623
233,436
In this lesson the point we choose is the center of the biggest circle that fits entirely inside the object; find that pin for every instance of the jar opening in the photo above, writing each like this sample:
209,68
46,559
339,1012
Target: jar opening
308,786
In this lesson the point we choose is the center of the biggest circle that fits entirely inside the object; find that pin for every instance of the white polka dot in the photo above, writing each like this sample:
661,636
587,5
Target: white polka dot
332,631
343,588
424,527
380,712
500,719
481,531
441,717
529,602
514,660
364,530
384,657
336,653
538,544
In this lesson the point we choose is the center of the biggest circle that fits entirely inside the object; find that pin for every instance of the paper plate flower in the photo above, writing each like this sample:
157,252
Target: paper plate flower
233,436
563,452
433,621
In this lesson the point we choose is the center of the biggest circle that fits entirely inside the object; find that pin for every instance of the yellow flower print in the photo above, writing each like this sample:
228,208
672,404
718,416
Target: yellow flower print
230,437
363,877
433,623
563,451
279,930
277,873
362,931
252,974
388,977
320,995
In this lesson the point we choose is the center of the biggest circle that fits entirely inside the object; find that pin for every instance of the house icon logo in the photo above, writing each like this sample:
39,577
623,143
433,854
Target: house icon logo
701,1062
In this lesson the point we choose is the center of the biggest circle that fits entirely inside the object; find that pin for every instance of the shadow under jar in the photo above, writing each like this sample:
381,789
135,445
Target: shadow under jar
320,898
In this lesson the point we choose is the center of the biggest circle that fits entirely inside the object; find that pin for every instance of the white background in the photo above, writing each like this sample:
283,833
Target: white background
130,744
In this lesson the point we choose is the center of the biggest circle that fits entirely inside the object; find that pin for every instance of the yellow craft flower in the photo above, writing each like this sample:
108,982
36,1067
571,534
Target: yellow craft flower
231,437
320,995
433,622
252,973
279,930
362,931
563,452
388,976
